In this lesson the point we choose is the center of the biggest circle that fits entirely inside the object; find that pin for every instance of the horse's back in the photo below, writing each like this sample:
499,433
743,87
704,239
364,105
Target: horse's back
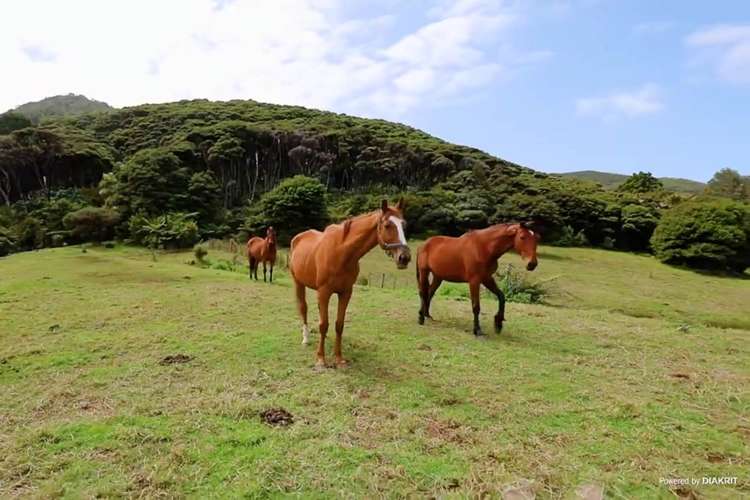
444,256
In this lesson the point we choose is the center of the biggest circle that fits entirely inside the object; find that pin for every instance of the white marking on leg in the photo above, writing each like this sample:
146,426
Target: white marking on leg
305,335
400,228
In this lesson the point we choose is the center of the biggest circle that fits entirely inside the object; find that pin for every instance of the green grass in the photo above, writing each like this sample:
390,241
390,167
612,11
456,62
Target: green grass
634,371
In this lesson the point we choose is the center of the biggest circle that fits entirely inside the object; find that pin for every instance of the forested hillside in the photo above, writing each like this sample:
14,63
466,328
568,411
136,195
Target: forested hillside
60,105
207,169
609,180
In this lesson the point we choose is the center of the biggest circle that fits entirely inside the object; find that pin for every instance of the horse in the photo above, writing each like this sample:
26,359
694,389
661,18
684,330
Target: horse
262,250
472,258
328,262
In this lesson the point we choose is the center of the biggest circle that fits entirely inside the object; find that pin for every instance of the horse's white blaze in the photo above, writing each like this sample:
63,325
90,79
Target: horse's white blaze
400,227
305,335
532,232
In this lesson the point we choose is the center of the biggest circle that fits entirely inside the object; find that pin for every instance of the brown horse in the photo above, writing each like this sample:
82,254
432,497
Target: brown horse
472,258
262,250
328,262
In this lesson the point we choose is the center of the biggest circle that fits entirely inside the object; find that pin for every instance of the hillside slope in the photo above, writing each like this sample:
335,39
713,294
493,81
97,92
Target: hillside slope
60,105
611,181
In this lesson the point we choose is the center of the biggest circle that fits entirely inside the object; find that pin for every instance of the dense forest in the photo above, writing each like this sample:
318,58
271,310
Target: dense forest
200,169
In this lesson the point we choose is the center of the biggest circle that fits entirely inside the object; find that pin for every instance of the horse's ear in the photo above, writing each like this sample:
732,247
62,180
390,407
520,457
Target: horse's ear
526,225
384,206
401,204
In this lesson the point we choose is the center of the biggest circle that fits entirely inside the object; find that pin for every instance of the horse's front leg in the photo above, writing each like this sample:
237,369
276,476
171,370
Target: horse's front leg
324,296
264,271
340,316
270,274
474,290
490,284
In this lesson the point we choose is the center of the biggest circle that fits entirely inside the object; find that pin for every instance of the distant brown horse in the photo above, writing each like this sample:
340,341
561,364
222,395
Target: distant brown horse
328,262
262,250
472,258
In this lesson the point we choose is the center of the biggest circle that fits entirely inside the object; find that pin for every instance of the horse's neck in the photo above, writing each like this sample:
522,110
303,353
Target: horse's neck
498,241
361,237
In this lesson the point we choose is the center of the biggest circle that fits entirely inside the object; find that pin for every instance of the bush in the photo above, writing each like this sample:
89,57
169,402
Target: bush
171,230
569,238
200,250
7,245
92,223
705,234
296,204
517,287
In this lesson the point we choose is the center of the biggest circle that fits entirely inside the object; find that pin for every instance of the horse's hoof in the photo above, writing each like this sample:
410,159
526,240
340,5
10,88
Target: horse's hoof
498,329
320,365
480,336
342,363
421,320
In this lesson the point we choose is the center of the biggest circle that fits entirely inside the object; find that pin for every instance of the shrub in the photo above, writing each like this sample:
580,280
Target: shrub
517,287
705,234
296,204
92,223
569,238
171,230
7,245
200,250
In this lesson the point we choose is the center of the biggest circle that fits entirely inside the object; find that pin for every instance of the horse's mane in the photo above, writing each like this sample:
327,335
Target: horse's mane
347,224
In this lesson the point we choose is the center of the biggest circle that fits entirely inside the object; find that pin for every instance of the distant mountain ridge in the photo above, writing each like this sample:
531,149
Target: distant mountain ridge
609,180
60,105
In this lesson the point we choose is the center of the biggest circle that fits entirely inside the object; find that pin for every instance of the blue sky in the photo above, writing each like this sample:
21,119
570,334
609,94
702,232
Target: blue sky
556,85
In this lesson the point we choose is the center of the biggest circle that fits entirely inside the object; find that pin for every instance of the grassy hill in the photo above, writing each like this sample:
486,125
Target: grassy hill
611,181
60,105
608,389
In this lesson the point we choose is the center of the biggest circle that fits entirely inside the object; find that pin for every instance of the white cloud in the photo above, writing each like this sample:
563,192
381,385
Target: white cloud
304,52
644,100
726,47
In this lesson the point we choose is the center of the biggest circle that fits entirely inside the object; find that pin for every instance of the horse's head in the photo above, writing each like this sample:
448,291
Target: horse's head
271,235
391,234
524,242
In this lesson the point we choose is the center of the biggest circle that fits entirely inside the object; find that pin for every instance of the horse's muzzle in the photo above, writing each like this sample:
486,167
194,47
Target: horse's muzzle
531,265
403,257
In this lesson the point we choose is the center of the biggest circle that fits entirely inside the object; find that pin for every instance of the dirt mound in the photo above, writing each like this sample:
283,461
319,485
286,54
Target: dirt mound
277,416
175,359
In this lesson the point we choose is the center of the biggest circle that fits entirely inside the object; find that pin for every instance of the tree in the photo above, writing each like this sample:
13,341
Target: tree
729,183
705,234
296,204
11,121
642,182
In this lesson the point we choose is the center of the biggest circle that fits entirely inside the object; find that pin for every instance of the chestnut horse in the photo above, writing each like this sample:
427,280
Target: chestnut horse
328,262
262,250
472,258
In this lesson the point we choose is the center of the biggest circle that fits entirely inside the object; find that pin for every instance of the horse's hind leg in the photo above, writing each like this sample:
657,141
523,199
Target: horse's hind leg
436,282
423,286
474,290
299,289
490,284
250,266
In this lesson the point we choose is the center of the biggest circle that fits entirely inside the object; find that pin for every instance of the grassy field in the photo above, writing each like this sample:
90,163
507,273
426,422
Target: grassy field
632,372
